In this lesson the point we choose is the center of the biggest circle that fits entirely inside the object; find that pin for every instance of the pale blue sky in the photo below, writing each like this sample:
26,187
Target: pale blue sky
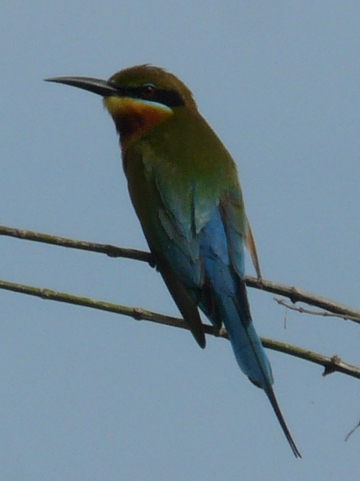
87,395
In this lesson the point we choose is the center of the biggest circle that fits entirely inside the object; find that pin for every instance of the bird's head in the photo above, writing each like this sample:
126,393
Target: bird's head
138,98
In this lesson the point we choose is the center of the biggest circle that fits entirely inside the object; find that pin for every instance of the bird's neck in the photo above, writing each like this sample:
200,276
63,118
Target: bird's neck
134,117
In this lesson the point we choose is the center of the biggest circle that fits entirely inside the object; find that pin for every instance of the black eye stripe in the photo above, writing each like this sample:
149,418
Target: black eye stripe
170,98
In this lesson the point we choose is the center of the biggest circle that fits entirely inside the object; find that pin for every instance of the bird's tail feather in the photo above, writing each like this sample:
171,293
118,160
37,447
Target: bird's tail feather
250,354
225,300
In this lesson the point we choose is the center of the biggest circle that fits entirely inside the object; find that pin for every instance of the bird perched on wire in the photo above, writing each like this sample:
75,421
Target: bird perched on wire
184,187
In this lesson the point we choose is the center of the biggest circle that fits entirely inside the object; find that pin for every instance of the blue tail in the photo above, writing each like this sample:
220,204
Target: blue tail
225,301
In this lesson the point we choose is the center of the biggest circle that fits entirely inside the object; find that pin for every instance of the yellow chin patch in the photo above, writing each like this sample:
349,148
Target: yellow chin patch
134,117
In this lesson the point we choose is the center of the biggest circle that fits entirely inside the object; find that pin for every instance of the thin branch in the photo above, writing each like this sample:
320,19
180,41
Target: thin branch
303,310
108,249
293,293
330,364
298,295
352,431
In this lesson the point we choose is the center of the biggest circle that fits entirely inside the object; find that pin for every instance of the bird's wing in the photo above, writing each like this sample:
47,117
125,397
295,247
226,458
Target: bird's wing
175,247
183,300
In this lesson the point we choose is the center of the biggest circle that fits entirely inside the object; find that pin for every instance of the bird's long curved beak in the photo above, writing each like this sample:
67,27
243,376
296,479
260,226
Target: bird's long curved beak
95,85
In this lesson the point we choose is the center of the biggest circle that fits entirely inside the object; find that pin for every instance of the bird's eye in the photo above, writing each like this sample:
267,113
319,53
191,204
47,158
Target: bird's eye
147,91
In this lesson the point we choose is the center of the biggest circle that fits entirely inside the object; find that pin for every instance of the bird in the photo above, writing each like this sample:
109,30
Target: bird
184,187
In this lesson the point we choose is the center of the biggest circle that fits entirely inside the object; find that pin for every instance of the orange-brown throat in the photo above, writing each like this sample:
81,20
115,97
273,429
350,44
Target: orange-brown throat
134,117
